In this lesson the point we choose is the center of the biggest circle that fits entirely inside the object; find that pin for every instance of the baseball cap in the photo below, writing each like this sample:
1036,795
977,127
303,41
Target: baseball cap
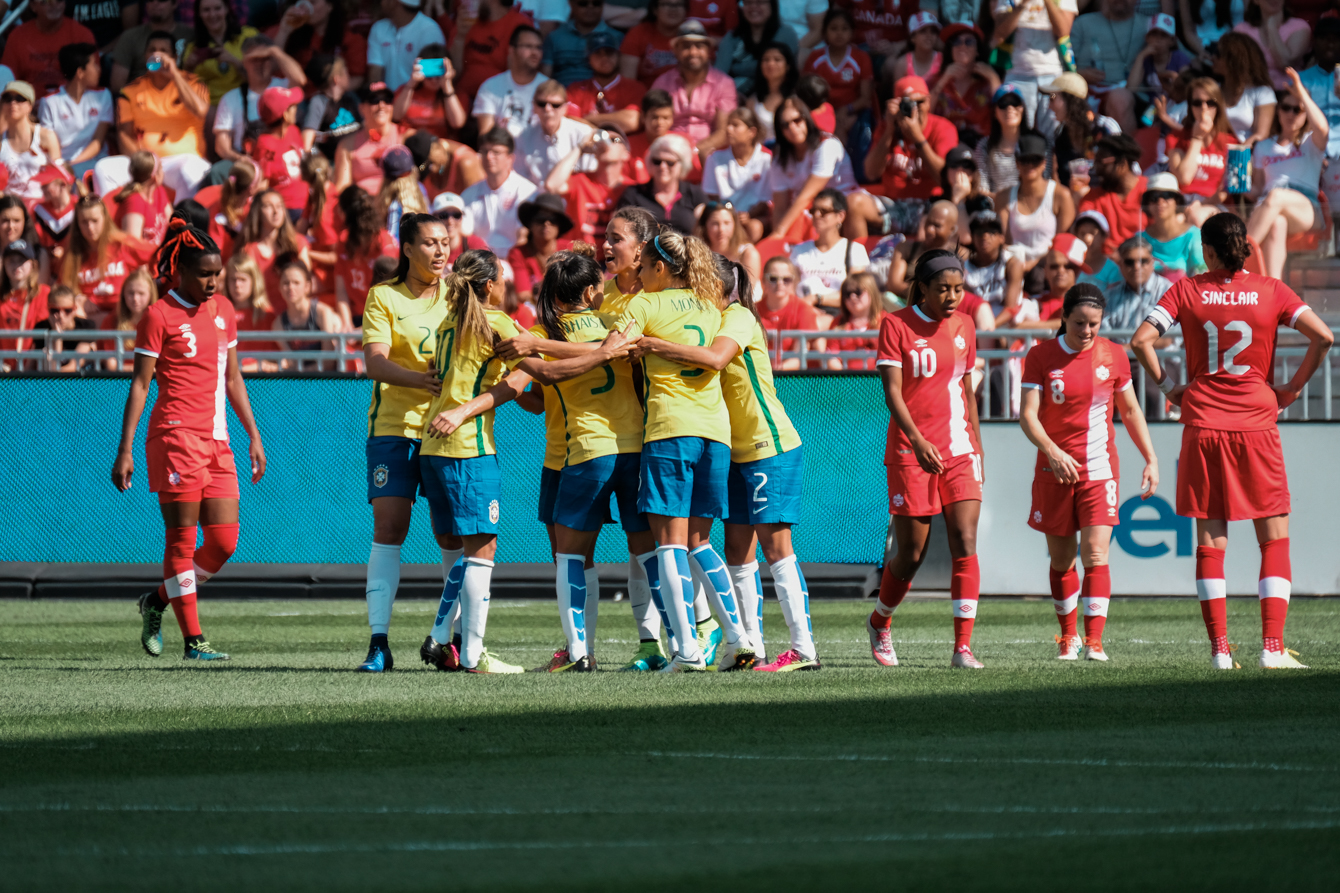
693,30
447,200
1163,22
985,222
23,247
922,20
960,156
910,86
397,162
1068,82
22,88
1007,90
954,29
50,173
1031,145
1074,251
1097,218
277,100
602,40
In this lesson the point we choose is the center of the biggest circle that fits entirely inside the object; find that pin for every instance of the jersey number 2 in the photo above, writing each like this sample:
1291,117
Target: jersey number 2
1229,366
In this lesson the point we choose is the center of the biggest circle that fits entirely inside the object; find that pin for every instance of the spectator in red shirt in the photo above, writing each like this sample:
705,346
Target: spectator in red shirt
366,240
23,300
1198,153
486,44
54,214
881,25
962,93
908,153
848,71
444,165
321,29
781,310
100,256
31,50
646,50
279,150
545,218
862,311
607,97
658,117
430,103
1119,191
592,196
143,205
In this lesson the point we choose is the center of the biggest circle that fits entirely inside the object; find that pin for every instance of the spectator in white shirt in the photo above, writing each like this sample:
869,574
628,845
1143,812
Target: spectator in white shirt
394,42
738,174
542,145
79,113
825,262
266,65
507,99
491,205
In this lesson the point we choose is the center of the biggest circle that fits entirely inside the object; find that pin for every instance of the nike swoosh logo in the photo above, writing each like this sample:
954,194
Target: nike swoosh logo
400,318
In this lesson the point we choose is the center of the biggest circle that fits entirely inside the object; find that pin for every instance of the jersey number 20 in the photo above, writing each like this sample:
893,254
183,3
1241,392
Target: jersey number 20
1229,366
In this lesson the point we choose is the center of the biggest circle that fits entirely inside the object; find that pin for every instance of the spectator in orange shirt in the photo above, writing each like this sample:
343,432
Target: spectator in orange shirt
162,113
781,310
32,48
321,28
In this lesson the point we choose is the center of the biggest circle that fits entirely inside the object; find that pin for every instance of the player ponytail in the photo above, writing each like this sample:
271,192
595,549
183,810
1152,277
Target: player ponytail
1083,293
736,286
690,261
929,265
1227,235
182,248
566,281
468,291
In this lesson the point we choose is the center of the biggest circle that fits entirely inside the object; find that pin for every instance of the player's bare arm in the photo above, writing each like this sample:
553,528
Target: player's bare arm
715,357
1144,344
446,423
928,457
615,346
1061,463
376,357
1319,341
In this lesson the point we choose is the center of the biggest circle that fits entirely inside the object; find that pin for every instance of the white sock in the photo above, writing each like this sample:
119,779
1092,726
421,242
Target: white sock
794,595
474,608
710,571
645,615
383,581
570,584
677,595
592,608
701,609
745,578
449,608
651,567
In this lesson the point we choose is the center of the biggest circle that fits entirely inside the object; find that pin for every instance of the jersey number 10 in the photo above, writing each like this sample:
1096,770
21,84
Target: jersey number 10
924,362
1212,347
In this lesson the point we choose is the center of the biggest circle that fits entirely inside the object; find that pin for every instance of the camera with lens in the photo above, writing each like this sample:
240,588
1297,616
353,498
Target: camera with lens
907,107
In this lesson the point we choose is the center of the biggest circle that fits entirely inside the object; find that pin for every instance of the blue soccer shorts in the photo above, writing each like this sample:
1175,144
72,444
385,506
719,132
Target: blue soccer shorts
464,494
684,477
766,491
584,493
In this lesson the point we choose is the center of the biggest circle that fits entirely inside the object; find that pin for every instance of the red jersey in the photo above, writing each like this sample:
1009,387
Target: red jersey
19,311
844,77
268,270
587,97
102,284
356,271
1124,216
485,54
280,161
934,357
590,205
906,174
878,20
1229,325
426,112
527,273
53,227
191,344
1209,178
353,50
467,242
717,16
223,233
1078,396
646,43
795,316
31,53
156,211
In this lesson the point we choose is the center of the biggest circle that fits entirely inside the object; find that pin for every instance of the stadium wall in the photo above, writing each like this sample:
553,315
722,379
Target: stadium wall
60,506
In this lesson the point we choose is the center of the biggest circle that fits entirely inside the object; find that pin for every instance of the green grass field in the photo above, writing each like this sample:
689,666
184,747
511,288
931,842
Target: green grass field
284,770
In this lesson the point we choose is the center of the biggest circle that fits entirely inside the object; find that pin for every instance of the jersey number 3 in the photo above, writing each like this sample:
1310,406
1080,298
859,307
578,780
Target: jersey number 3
1230,355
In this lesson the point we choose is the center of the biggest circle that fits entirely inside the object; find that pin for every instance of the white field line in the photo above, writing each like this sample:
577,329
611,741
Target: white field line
440,846
1017,761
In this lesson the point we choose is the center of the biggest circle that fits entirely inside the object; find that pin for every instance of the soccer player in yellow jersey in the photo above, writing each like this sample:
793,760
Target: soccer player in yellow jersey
399,330
686,449
766,467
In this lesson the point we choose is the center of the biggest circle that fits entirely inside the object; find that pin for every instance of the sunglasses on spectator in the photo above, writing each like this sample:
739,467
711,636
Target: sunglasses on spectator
452,214
822,212
664,162
1291,109
1137,261
62,311
543,104
965,41
852,292
1010,102
1203,103
792,122
543,220
781,280
1029,160
590,4
13,97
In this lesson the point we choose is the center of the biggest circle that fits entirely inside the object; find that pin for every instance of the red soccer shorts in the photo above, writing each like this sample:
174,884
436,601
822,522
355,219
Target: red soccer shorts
186,467
1231,475
915,493
1064,509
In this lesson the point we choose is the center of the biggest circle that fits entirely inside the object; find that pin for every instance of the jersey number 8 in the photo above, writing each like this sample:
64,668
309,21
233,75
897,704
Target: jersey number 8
1058,390
924,362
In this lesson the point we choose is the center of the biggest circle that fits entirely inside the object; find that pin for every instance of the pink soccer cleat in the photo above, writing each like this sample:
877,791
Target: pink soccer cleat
881,645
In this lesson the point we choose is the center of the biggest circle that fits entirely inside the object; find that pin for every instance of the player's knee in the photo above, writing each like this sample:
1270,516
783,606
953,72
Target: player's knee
222,538
390,532
962,544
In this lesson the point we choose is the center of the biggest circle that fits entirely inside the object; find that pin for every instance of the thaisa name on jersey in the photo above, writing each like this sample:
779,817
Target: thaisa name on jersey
1229,298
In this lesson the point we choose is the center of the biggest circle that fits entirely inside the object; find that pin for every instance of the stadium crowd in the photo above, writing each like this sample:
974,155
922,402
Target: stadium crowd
825,148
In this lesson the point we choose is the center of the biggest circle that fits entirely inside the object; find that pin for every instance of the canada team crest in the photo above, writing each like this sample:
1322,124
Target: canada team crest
1102,373
960,343
380,475
898,500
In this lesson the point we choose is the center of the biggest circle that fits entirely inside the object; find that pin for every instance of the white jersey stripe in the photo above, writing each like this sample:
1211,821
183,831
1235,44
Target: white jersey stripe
960,443
1099,464
220,393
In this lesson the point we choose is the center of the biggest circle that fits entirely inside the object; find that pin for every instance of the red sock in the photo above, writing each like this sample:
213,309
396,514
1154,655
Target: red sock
1273,588
892,591
963,589
187,619
1065,597
179,575
220,542
1097,595
1211,589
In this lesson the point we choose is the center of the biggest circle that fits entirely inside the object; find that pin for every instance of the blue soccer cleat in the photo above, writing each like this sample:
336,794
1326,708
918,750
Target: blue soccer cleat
202,650
379,659
709,639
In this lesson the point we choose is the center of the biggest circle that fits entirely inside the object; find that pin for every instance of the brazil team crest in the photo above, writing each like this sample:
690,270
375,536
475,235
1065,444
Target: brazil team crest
379,476
493,512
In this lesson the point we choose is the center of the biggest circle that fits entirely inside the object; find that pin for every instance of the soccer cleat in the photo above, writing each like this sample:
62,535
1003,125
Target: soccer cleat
491,666
560,659
444,657
580,665
203,651
648,659
1067,647
379,660
732,658
679,665
789,662
1093,649
881,645
151,630
963,660
1222,661
709,639
1281,660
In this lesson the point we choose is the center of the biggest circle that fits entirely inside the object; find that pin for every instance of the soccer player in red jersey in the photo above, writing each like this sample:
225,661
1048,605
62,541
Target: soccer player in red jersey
1231,466
188,342
1071,384
934,453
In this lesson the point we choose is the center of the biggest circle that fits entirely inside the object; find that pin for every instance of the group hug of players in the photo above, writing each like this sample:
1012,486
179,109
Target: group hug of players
658,397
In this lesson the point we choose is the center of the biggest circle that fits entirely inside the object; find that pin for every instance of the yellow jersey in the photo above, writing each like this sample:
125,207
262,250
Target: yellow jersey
408,326
681,401
595,414
759,427
615,301
467,370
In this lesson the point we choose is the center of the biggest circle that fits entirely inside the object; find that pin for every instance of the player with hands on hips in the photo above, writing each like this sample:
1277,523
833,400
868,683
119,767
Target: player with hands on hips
1231,466
934,453
1070,387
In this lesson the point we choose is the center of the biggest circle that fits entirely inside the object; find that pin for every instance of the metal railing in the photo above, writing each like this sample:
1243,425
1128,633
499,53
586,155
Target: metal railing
340,356
12,17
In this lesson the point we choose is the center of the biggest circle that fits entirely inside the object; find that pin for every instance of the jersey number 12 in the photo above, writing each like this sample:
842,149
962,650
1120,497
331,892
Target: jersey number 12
1212,348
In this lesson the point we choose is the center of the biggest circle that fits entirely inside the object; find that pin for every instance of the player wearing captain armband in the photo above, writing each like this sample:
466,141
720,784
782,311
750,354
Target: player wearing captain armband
1231,466
686,449
1070,387
400,321
764,487
188,343
934,453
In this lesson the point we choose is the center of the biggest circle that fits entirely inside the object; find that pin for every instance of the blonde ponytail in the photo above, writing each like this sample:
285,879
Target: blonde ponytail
466,292
690,260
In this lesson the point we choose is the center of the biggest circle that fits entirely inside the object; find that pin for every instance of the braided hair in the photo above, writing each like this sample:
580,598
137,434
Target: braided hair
183,246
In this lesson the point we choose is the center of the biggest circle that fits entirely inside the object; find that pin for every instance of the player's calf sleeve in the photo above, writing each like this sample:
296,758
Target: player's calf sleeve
1097,595
475,587
1065,598
383,581
592,607
677,596
1273,589
449,607
794,596
220,542
570,584
651,566
645,615
892,591
708,569
964,585
745,577
1212,592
